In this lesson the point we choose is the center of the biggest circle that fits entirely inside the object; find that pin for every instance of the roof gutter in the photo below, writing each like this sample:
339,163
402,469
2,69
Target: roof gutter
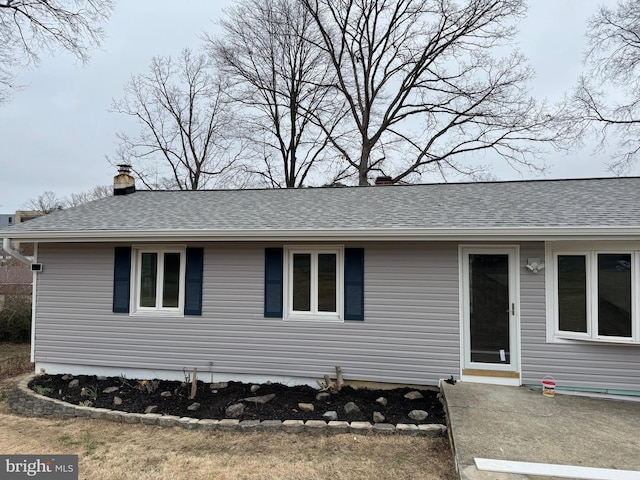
396,234
6,246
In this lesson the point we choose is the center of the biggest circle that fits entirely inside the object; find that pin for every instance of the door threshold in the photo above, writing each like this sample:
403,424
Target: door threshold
490,373
492,377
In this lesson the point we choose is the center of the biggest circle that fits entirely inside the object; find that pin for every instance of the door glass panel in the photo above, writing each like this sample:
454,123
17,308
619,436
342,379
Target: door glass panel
302,282
148,276
171,285
489,308
327,282
572,293
614,295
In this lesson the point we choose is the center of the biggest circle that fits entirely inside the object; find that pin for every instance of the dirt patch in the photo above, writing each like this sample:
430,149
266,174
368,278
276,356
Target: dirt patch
213,400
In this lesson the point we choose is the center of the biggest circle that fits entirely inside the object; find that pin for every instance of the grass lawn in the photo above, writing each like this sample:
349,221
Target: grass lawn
8,350
113,451
14,359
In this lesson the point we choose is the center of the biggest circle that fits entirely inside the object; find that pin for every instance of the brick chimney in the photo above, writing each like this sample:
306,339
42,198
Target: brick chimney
385,180
123,182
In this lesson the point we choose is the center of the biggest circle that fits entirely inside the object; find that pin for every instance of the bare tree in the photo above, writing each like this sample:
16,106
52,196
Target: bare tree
95,193
28,27
423,90
46,203
279,77
186,138
612,65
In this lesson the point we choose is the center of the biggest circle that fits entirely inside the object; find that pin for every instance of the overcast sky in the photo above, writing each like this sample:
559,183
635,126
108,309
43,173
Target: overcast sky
54,134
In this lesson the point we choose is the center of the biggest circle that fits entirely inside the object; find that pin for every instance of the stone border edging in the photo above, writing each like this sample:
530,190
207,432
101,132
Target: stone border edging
25,401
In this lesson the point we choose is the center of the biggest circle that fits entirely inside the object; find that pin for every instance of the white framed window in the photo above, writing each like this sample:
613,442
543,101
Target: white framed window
313,282
158,280
594,292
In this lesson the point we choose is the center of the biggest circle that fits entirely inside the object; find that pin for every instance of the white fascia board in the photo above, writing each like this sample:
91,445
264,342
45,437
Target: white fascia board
395,234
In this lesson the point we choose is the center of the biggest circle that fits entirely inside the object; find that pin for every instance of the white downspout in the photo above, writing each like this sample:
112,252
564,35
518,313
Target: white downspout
6,246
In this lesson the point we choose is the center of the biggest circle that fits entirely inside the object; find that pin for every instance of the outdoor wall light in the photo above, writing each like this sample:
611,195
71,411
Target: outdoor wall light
534,265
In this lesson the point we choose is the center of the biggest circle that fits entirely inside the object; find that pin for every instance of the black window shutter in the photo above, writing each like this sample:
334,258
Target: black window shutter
121,279
193,282
354,283
273,258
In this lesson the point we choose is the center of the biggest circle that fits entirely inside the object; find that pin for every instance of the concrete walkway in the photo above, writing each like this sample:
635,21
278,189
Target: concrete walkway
520,424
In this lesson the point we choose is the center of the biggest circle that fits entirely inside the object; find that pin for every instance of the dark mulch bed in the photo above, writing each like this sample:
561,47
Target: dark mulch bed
138,395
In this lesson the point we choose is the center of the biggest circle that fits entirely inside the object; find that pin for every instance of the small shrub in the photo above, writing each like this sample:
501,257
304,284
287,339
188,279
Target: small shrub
40,390
149,386
15,319
91,392
123,380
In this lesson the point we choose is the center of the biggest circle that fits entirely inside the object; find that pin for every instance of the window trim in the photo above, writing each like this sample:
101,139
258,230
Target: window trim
590,250
313,315
556,304
136,261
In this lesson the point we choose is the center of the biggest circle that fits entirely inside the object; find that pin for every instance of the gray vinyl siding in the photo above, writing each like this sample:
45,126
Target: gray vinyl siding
410,333
588,365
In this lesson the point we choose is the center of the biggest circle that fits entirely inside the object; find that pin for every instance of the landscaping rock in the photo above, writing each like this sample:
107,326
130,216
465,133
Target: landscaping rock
235,410
431,430
270,425
282,402
378,417
150,419
228,424
249,425
101,378
361,428
407,429
218,385
151,409
306,407
384,428
207,424
193,407
338,427
67,377
293,426
418,415
415,395
330,416
315,426
350,408
255,388
260,399
74,383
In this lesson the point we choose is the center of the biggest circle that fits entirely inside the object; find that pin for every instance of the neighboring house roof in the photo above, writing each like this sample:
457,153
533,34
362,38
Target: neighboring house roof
518,210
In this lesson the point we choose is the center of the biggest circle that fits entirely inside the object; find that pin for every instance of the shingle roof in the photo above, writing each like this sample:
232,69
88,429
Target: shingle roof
540,204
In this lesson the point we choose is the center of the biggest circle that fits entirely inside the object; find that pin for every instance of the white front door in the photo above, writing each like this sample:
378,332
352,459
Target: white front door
490,312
